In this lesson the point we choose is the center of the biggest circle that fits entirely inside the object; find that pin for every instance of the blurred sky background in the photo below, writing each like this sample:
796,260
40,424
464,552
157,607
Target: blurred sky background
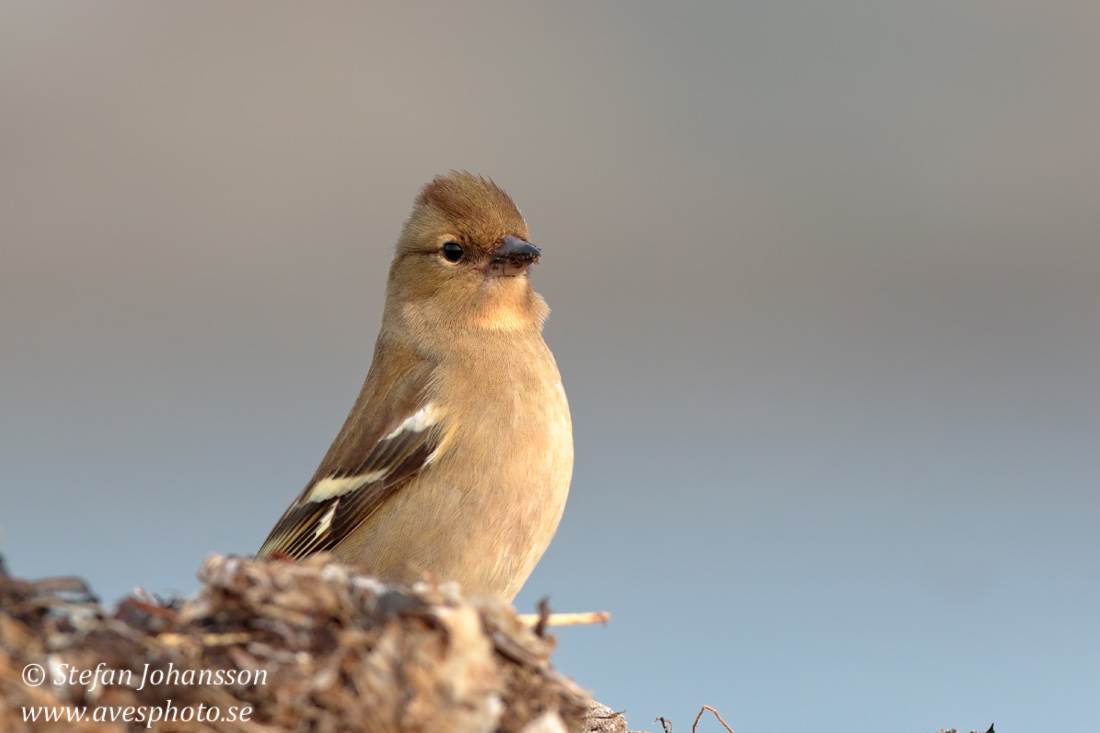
825,281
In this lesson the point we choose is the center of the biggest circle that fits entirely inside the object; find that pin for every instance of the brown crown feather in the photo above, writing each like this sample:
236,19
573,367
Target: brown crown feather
481,210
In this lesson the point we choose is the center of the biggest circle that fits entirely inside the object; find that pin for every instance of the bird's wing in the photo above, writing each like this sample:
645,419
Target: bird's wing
390,435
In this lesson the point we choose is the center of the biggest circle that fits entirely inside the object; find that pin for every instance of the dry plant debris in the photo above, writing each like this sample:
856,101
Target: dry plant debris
666,724
310,646
703,710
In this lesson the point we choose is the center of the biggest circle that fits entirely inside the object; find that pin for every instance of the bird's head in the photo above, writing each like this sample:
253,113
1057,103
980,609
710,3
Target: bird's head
462,259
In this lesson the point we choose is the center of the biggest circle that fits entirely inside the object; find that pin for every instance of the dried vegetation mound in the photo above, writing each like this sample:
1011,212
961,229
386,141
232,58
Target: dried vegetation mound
274,646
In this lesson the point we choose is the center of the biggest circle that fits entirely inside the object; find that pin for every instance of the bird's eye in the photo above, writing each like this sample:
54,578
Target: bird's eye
453,251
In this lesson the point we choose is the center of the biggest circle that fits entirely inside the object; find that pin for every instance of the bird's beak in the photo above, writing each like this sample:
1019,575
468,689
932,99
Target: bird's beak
512,256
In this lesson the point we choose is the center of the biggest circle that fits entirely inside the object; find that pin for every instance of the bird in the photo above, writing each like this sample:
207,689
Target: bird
455,461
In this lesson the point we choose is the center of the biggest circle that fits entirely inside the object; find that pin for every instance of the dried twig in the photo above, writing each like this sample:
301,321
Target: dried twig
544,616
567,619
708,707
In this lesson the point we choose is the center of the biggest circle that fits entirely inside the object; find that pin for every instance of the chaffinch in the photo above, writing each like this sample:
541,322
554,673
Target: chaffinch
456,458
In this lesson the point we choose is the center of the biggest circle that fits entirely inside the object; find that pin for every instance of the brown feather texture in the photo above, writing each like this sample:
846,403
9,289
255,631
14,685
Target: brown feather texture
455,460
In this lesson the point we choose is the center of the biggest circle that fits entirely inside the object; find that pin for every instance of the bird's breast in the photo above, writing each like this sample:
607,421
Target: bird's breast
510,455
